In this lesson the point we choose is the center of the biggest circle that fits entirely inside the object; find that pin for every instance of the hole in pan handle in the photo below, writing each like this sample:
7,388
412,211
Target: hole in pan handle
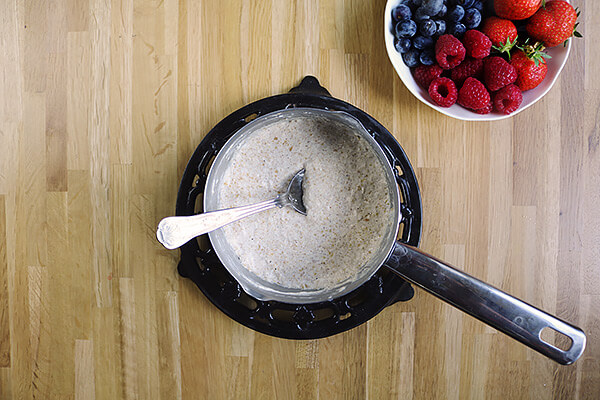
512,316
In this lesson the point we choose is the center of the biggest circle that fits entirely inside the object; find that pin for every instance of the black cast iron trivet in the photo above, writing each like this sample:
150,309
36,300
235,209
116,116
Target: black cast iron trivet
200,263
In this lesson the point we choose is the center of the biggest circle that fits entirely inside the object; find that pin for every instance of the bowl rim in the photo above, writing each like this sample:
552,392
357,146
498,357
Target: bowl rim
389,45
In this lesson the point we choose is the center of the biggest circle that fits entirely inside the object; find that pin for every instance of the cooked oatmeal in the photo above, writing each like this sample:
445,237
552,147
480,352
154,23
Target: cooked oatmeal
345,193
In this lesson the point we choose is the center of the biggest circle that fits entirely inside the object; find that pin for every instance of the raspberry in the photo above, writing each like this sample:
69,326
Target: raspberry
443,92
508,99
485,110
449,51
498,73
471,67
425,74
477,44
473,95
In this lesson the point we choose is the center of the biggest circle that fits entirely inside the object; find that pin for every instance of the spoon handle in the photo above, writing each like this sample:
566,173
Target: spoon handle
174,232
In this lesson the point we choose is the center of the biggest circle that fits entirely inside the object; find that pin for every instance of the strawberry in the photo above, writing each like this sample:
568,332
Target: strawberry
502,33
498,73
554,23
531,69
516,9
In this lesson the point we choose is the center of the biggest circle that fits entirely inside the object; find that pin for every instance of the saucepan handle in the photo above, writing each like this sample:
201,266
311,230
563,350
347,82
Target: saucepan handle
500,310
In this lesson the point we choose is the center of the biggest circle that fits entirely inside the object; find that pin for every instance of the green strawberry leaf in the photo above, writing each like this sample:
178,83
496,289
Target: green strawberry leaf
535,52
506,47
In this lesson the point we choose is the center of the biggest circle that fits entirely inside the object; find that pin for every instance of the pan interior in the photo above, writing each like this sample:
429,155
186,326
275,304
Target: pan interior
266,289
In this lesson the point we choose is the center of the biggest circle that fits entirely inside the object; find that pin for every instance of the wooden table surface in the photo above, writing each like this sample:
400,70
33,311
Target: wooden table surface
103,102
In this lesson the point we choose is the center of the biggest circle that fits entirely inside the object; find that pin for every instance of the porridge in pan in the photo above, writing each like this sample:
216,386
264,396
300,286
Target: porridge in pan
346,195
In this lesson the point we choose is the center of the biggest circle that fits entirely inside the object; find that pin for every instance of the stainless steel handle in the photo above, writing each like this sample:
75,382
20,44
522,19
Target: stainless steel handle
492,306
174,232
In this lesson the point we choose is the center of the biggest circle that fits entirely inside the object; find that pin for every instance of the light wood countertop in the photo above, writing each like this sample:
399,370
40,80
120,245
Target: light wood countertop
103,102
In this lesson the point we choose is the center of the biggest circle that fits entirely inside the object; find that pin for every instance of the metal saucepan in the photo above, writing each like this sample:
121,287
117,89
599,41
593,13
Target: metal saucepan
512,316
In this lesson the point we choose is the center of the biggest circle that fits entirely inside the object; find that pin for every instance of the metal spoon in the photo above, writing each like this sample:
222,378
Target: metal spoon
174,232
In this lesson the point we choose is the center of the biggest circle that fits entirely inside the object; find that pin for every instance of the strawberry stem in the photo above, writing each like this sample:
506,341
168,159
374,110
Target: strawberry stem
506,47
535,52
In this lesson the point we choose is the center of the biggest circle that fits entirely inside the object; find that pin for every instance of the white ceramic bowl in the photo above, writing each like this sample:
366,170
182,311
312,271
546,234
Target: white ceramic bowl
559,56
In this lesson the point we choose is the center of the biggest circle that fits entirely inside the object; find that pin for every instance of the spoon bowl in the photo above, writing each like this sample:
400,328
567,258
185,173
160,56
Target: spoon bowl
294,192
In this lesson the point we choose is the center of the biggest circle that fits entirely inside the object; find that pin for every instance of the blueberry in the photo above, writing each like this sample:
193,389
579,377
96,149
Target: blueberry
411,58
478,4
472,18
402,45
432,7
488,8
406,28
422,42
409,3
442,12
457,30
416,3
441,27
427,57
456,14
401,12
464,3
428,27
421,15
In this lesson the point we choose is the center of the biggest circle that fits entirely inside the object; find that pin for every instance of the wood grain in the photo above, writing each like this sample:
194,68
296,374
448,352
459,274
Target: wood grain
103,102
4,298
